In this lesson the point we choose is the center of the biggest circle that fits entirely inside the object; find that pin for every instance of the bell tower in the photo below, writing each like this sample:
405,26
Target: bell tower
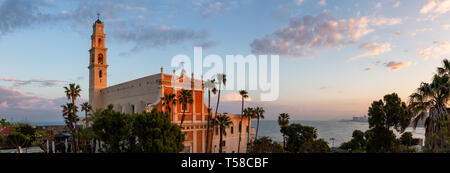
97,65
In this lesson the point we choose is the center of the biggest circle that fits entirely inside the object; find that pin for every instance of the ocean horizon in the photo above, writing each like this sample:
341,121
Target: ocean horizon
340,130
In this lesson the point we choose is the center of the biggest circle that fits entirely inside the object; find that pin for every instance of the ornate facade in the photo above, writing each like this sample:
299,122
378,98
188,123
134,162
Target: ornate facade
144,94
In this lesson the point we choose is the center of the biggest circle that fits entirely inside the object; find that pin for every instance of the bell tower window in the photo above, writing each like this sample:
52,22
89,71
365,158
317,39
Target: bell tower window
100,74
100,42
100,58
92,58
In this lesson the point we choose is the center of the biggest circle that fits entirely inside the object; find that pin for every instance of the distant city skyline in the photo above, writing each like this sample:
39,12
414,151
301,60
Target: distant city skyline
336,56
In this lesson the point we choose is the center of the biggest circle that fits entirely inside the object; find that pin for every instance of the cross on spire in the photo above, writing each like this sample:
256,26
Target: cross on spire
98,16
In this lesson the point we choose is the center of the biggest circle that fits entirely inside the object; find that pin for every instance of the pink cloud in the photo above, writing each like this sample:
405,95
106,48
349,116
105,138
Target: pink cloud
40,82
4,104
231,97
394,66
436,6
324,87
298,2
368,69
436,50
385,21
16,99
305,34
373,49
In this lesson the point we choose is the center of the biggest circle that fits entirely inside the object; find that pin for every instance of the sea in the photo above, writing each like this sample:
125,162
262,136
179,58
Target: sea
340,131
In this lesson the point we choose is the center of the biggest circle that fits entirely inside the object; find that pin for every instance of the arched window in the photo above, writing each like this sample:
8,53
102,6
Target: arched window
100,74
100,42
92,58
100,58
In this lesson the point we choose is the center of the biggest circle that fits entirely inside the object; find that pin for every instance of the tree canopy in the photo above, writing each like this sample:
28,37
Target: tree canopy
389,112
146,132
303,139
264,145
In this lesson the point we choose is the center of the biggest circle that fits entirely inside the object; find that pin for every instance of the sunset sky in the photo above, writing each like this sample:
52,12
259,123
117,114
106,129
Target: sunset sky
336,56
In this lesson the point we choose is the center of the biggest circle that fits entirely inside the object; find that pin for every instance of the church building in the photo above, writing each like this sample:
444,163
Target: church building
144,94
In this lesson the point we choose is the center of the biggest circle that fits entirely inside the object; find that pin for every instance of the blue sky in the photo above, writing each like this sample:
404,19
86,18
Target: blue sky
358,52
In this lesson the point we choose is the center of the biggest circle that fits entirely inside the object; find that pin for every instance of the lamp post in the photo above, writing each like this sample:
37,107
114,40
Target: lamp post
332,142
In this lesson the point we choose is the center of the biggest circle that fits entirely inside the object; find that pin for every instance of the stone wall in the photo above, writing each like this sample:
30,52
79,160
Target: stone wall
136,93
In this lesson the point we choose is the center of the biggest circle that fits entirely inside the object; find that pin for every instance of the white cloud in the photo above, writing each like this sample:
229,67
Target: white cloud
322,3
397,4
436,50
428,6
420,31
15,14
209,8
379,5
298,2
65,13
16,99
377,21
39,82
17,105
305,34
435,8
132,29
212,8
395,66
372,49
425,29
446,26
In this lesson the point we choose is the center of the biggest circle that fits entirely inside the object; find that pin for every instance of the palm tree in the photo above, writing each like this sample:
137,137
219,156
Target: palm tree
69,117
244,94
223,122
222,79
283,121
248,113
211,86
444,69
259,113
72,93
87,110
167,100
185,98
87,119
429,102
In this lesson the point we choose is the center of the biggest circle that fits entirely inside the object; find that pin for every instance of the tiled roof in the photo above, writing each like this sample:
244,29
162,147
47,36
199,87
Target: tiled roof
6,131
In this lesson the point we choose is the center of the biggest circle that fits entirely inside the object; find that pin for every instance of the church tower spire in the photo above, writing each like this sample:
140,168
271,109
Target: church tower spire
97,65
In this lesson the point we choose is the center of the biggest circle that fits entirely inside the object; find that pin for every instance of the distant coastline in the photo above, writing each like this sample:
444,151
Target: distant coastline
361,119
50,123
365,119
